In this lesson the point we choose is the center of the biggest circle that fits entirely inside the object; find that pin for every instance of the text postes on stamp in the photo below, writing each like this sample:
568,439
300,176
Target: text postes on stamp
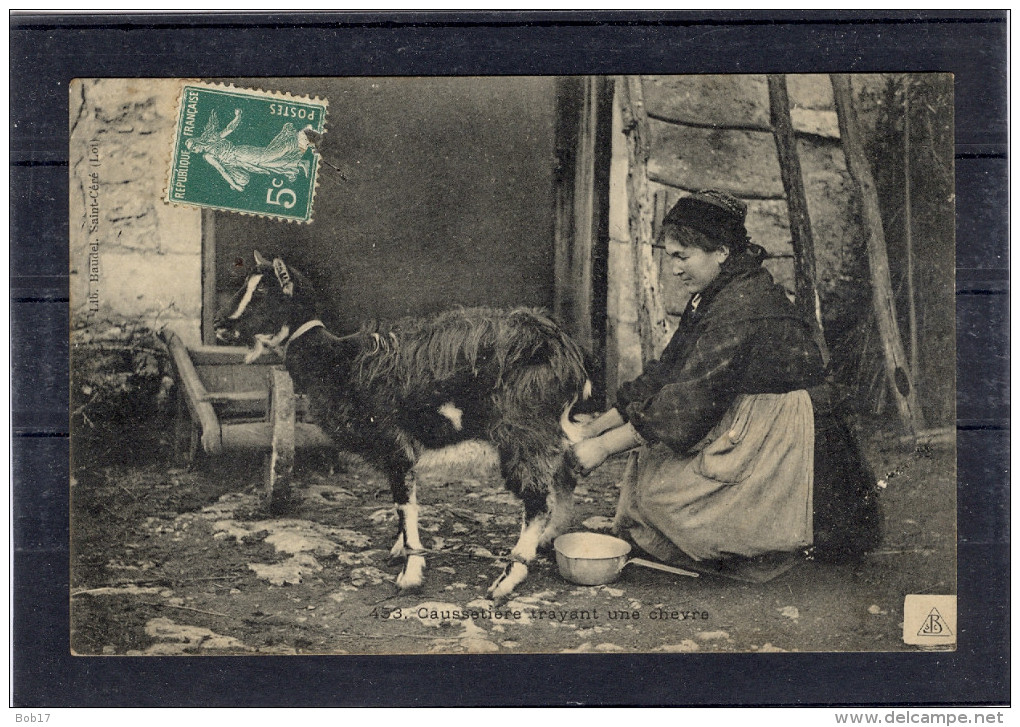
246,150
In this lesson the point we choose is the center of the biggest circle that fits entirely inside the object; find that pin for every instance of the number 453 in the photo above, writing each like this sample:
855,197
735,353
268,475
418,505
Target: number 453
284,197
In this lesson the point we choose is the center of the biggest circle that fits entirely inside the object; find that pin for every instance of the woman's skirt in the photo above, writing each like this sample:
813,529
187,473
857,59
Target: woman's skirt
745,490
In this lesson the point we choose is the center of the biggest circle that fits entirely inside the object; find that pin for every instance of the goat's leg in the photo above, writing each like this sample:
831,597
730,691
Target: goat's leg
536,518
397,552
405,496
562,505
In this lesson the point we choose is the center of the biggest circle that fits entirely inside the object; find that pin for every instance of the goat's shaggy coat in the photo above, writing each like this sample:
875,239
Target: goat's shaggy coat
391,394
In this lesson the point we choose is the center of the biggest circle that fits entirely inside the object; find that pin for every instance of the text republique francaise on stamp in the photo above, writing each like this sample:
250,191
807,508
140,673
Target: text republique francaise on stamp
246,150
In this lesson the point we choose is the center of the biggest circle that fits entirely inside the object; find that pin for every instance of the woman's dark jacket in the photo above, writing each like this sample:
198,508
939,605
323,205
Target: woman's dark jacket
746,337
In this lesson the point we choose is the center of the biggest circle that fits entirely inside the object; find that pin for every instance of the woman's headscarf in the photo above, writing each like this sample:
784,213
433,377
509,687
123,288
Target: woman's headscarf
716,214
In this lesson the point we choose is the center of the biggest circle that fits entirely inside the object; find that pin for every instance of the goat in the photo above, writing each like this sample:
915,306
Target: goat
507,378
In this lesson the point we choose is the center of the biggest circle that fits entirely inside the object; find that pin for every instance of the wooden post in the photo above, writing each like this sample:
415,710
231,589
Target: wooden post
579,224
652,325
897,370
280,462
796,203
908,234
209,299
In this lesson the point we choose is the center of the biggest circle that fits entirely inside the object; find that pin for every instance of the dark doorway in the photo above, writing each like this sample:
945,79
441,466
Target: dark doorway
435,192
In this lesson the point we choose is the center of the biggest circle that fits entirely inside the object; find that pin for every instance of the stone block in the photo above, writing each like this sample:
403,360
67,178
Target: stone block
819,123
768,225
810,91
744,163
730,100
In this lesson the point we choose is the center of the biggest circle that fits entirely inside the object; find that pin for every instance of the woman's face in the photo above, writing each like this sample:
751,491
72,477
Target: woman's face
695,267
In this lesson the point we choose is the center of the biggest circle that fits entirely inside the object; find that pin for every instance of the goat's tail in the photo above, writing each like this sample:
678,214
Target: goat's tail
573,431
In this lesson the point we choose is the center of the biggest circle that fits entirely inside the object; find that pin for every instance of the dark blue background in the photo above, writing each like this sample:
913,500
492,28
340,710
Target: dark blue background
46,52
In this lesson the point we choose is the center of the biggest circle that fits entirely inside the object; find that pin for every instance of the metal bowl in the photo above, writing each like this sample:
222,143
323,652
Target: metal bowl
590,559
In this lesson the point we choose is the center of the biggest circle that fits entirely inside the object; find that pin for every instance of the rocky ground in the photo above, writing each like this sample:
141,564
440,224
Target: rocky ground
179,561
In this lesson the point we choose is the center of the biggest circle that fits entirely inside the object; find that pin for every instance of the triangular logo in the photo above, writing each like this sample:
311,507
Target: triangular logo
934,625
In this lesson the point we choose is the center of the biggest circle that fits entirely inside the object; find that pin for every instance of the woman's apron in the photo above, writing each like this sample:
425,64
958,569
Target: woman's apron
744,490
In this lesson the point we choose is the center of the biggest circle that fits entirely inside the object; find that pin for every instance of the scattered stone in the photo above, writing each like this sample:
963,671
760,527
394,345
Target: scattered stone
684,647
479,646
584,648
369,575
346,558
129,590
768,648
174,638
608,648
712,636
289,572
599,523
791,612
876,610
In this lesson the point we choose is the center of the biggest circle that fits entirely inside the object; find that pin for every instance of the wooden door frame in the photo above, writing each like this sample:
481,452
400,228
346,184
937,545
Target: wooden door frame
584,109
209,301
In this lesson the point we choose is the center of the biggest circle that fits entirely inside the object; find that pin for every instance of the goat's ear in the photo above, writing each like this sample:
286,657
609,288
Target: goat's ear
259,260
283,275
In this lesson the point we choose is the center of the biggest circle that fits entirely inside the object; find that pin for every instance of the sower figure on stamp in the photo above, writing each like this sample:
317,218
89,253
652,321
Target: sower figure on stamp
739,449
237,162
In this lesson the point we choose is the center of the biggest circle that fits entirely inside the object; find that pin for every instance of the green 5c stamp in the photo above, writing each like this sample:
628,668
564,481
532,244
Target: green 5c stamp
247,151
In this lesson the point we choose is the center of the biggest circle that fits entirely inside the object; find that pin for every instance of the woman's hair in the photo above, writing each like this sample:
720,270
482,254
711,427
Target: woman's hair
715,217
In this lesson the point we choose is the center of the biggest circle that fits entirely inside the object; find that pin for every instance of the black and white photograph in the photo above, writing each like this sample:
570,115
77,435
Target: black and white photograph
558,365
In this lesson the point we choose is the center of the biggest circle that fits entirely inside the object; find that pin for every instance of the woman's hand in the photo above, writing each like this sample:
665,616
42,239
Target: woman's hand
594,425
588,454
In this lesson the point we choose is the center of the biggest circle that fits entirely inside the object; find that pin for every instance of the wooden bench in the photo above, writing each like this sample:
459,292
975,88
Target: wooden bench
228,406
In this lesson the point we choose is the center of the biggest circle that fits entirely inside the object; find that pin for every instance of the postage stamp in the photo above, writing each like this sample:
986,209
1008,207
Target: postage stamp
246,150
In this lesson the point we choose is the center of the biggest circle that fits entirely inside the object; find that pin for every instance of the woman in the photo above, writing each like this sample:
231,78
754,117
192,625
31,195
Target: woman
742,451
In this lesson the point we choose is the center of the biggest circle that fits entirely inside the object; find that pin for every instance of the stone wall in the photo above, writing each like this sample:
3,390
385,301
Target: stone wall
133,258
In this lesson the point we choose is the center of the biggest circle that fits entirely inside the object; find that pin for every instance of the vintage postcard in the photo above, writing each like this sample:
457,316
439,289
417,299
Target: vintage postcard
640,364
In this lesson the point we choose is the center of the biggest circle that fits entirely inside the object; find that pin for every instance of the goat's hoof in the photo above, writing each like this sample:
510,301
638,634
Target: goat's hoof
396,556
509,579
412,575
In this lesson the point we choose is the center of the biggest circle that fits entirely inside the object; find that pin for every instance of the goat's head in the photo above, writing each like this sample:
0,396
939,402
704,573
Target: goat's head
273,301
